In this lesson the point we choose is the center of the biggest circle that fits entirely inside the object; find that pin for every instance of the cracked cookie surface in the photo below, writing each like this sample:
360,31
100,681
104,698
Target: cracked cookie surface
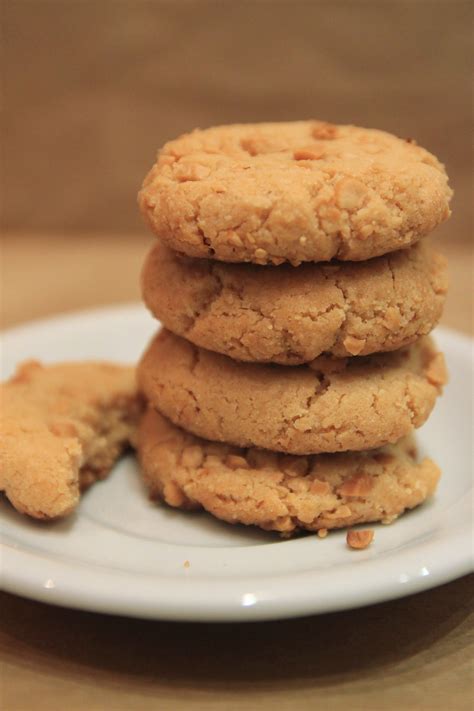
292,315
63,427
301,191
281,492
328,405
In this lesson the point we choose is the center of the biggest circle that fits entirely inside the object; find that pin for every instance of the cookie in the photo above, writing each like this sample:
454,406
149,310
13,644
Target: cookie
62,428
297,192
291,315
280,492
329,405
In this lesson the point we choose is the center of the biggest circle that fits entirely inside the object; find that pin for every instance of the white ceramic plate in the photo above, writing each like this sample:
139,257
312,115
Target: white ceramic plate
122,554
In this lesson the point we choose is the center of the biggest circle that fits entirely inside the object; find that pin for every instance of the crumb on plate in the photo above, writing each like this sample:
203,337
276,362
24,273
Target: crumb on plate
359,540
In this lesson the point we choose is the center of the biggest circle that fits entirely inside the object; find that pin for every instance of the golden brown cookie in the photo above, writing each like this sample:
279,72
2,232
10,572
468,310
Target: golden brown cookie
329,405
297,192
62,428
291,315
277,491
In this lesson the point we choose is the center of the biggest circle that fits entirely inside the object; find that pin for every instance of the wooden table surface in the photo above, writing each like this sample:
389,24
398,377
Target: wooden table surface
414,653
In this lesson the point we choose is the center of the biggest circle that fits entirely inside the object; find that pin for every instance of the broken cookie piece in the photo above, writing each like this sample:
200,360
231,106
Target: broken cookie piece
62,428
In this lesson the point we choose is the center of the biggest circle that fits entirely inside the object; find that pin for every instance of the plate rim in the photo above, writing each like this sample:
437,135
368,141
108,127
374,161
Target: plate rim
231,601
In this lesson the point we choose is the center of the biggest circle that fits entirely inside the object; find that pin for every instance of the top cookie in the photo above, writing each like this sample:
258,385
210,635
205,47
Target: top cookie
297,192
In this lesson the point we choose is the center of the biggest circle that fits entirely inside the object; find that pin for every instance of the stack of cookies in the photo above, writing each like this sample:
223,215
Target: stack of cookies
297,300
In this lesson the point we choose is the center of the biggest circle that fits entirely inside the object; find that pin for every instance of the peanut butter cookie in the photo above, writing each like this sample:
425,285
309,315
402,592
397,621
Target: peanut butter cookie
328,405
279,492
291,315
297,192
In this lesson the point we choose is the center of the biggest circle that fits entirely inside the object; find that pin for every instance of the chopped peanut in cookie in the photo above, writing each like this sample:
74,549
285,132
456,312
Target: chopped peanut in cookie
358,540
308,153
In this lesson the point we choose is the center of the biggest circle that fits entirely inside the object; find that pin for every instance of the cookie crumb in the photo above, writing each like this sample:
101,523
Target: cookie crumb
322,533
359,540
186,564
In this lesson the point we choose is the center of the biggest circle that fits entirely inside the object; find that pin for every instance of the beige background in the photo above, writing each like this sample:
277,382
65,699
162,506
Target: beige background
93,87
